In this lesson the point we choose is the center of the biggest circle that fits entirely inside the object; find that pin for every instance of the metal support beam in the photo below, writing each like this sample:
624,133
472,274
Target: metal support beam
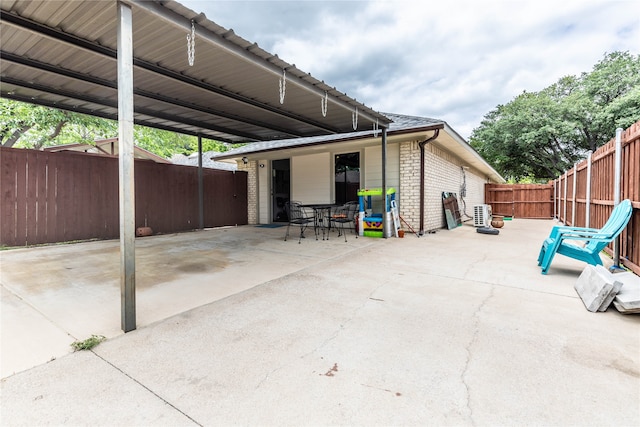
200,186
126,169
385,222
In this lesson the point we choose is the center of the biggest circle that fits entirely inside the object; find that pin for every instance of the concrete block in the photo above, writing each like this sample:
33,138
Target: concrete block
597,288
627,301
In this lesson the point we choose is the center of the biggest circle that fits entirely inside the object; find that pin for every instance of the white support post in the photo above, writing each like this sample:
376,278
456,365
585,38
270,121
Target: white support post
126,169
555,198
575,192
616,192
587,214
564,216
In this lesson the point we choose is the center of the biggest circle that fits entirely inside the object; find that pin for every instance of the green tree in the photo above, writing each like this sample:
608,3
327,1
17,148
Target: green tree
539,135
166,144
25,125
30,126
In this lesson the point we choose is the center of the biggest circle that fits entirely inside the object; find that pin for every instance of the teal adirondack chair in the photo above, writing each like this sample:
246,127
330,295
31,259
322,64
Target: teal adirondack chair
559,241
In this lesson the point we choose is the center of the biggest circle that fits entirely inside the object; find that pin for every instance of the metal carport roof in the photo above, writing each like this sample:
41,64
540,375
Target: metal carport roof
129,60
63,54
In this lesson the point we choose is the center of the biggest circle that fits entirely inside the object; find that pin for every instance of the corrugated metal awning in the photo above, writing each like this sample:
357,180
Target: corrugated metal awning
63,54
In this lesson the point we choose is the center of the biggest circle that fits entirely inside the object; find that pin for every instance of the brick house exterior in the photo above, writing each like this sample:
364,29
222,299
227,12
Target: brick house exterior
451,165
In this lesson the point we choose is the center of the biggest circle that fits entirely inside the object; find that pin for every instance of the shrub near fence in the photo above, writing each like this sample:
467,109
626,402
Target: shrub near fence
571,206
58,197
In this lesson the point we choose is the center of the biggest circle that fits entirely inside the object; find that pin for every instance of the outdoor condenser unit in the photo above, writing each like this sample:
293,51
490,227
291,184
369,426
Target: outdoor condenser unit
481,215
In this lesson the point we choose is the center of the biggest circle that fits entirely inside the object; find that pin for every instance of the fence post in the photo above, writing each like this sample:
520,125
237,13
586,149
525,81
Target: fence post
573,205
616,193
564,216
555,198
587,213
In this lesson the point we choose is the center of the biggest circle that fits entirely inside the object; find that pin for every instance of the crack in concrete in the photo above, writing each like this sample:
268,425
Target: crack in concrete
472,265
468,350
34,308
144,386
327,340
343,325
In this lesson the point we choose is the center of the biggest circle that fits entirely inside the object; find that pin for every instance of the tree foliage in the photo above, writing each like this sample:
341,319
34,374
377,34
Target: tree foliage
31,126
541,134
166,144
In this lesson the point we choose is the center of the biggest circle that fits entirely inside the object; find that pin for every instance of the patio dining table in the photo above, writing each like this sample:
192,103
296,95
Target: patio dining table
321,217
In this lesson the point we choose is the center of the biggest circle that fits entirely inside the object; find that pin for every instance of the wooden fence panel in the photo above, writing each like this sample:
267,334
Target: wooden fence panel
520,200
215,183
569,201
8,170
57,197
602,192
500,197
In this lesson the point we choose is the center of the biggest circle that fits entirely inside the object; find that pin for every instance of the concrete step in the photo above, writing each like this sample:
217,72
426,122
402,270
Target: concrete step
597,287
627,300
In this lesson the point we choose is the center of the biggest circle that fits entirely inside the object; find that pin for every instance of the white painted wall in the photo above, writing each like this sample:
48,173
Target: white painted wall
264,192
311,180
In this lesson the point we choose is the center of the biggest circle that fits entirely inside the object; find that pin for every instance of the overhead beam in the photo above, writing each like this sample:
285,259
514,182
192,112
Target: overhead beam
38,65
70,39
110,116
183,23
234,96
106,102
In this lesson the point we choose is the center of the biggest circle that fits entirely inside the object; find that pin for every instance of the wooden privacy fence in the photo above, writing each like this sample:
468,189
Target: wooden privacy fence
520,200
584,195
59,197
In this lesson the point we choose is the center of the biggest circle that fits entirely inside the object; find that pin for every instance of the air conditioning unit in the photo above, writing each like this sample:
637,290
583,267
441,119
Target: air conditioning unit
481,215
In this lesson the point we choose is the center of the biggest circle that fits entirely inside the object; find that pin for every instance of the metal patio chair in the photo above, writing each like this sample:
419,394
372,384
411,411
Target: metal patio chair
298,216
344,215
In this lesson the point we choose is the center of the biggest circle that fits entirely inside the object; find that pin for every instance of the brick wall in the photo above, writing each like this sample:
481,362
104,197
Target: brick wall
252,190
442,173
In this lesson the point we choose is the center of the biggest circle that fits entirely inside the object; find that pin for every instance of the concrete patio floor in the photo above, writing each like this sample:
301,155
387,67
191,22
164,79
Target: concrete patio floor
236,326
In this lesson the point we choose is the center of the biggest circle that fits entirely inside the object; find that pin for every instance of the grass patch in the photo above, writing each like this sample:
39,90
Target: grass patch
87,344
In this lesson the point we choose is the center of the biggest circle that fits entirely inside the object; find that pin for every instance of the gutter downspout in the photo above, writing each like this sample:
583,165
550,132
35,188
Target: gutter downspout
421,144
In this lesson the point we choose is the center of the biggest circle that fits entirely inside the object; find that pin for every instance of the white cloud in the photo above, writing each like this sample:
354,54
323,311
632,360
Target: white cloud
453,60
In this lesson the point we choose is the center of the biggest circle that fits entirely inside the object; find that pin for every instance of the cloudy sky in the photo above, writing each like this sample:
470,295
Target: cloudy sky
450,60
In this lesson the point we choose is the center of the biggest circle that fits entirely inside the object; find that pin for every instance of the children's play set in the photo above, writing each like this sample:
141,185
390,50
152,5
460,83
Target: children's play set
371,224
